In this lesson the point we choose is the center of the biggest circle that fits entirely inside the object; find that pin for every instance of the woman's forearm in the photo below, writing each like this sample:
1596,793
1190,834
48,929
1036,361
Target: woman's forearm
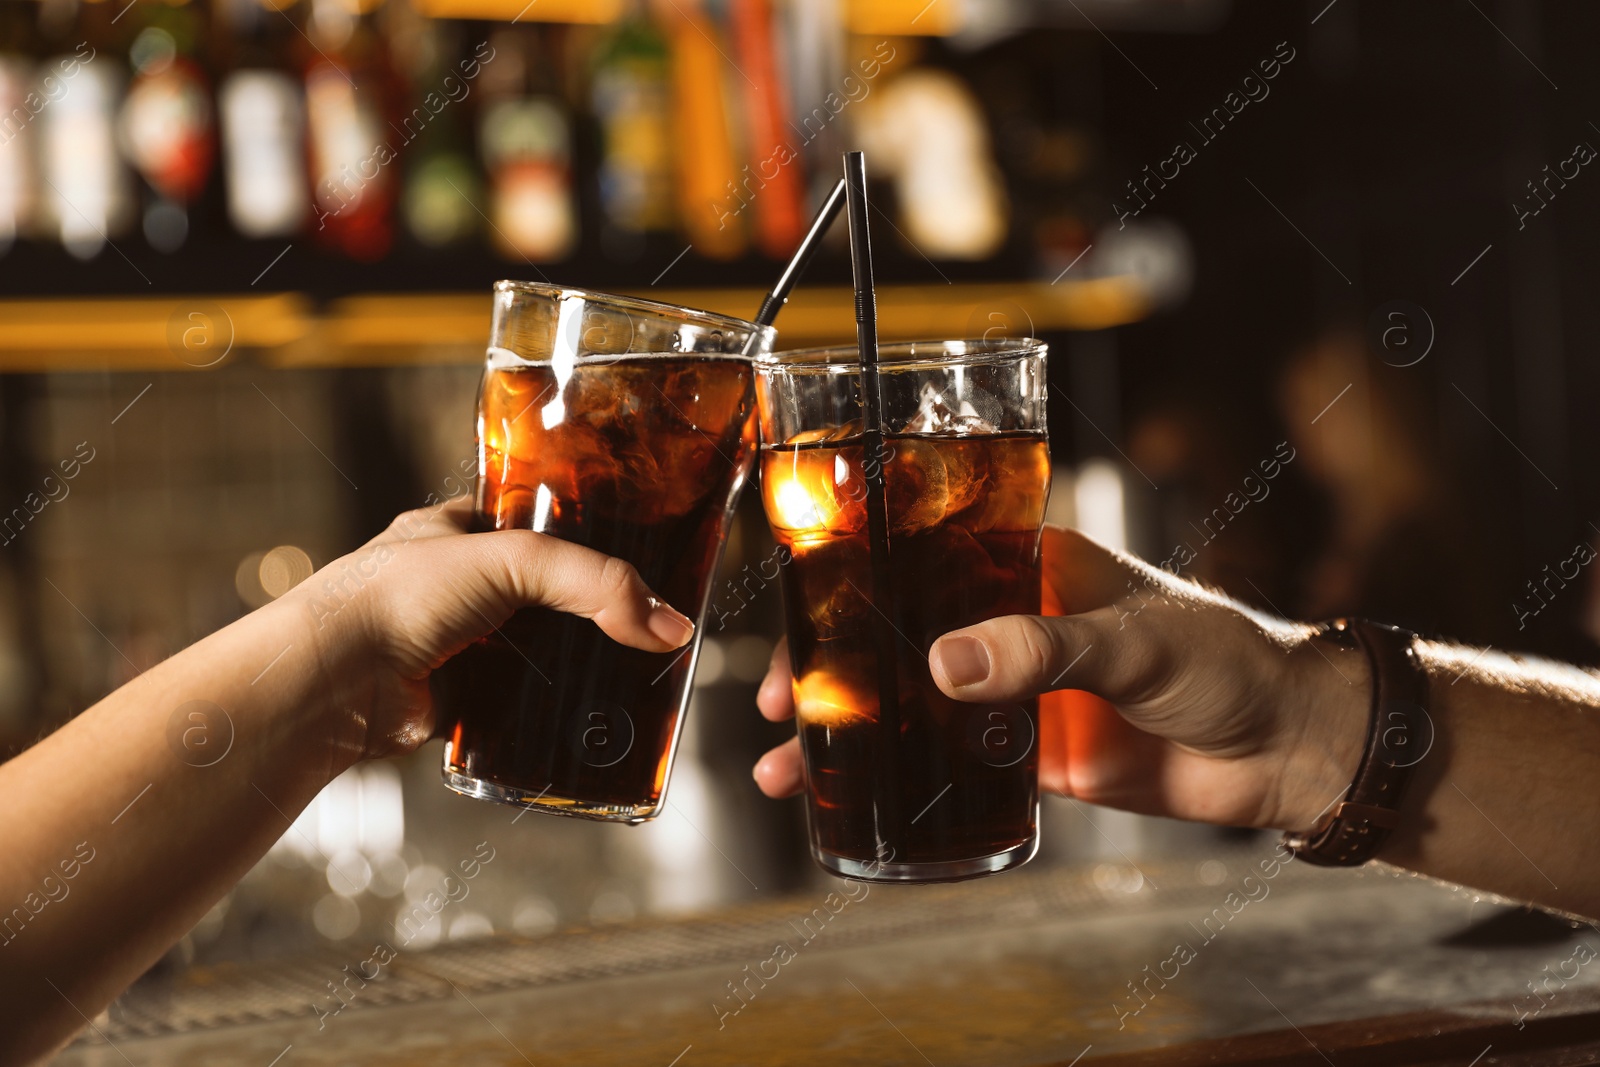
125,826
1505,799
130,822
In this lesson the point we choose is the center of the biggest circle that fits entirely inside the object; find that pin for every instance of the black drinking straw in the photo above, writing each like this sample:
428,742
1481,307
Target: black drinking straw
855,172
774,301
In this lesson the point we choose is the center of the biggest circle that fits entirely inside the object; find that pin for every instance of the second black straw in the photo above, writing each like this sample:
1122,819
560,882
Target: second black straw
891,826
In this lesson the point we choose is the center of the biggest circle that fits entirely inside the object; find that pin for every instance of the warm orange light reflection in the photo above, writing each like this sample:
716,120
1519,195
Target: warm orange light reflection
812,492
1076,729
794,506
821,698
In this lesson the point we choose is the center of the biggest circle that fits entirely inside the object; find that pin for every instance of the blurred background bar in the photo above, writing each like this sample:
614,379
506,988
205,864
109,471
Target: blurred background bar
1319,323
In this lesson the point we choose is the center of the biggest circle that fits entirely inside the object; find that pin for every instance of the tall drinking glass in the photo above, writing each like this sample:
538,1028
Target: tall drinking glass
627,426
905,784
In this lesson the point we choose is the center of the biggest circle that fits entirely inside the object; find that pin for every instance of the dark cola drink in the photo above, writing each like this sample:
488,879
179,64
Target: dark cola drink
640,458
931,789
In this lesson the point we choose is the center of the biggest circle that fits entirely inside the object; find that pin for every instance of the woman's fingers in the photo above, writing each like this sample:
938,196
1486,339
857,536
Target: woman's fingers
778,773
501,571
775,698
580,581
454,516
424,591
431,597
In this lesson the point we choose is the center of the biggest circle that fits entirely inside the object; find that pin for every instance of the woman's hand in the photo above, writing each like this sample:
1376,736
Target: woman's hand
390,613
1208,711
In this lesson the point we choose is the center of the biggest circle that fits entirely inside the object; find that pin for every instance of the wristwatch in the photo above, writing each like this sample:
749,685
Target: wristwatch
1399,736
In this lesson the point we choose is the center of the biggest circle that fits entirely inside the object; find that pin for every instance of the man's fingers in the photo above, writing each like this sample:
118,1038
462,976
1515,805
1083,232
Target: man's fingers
1019,656
778,773
580,581
775,698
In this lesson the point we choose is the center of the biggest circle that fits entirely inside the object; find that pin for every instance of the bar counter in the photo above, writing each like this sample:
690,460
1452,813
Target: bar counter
1176,962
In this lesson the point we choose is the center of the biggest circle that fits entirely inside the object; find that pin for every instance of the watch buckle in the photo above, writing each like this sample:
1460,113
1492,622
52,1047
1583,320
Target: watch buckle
1383,818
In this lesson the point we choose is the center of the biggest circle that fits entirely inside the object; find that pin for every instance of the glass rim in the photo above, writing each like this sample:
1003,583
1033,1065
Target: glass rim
656,308
836,359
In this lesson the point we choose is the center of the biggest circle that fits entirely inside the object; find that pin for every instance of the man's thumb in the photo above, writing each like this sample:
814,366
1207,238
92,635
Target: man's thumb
1020,656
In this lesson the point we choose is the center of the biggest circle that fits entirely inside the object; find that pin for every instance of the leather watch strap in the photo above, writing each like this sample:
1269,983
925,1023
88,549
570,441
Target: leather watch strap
1399,735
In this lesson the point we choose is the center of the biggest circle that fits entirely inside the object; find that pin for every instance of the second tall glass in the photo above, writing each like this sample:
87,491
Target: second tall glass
904,783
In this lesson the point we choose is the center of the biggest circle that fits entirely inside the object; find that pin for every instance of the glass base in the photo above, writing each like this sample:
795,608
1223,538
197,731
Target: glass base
548,803
913,873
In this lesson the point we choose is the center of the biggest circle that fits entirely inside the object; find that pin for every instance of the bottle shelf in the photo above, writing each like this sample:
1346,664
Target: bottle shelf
881,17
286,330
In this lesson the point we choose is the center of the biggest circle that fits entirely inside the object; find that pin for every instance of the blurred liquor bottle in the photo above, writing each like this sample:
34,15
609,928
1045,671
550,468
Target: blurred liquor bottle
263,122
442,200
85,202
350,91
815,42
773,181
925,128
526,140
166,126
21,100
703,127
631,97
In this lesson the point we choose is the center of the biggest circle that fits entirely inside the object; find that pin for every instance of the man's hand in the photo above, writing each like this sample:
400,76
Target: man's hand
1207,711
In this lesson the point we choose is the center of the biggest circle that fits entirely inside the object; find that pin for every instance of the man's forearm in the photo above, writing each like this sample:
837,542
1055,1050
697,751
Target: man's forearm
1505,798
129,823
